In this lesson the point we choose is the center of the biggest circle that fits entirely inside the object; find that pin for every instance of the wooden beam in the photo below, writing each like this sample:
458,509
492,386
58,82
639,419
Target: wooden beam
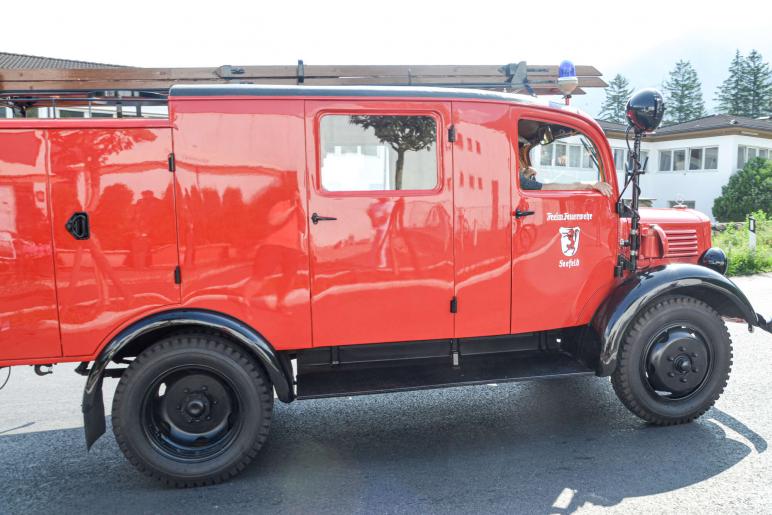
540,77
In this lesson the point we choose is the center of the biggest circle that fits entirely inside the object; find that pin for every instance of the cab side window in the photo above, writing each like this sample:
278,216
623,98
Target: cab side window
368,152
556,154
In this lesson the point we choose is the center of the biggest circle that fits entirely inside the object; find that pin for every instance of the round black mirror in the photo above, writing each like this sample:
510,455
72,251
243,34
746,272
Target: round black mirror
645,109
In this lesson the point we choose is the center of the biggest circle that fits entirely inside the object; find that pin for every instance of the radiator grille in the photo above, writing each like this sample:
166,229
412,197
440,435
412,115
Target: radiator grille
681,242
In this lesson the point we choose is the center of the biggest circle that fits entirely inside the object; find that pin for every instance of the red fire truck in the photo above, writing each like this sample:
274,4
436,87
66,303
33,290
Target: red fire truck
302,242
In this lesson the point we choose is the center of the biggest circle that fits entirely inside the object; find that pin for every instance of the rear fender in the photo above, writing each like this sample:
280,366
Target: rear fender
638,291
93,405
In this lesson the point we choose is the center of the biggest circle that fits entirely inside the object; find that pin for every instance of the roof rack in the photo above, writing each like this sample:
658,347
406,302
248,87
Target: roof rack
536,79
24,88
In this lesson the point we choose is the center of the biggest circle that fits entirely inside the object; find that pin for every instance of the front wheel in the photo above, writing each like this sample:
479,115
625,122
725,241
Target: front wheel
674,362
192,410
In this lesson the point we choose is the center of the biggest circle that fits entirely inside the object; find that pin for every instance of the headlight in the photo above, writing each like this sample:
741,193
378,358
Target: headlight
715,258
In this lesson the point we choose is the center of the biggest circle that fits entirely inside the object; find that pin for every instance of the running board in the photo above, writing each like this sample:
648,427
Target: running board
417,374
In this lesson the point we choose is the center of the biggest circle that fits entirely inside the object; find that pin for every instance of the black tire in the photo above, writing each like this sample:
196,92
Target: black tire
192,409
662,376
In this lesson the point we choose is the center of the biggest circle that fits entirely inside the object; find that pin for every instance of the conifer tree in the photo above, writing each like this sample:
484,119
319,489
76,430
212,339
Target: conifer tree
617,94
757,85
683,94
732,94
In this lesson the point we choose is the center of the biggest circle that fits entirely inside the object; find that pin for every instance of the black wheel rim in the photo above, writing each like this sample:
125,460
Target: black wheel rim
191,413
676,363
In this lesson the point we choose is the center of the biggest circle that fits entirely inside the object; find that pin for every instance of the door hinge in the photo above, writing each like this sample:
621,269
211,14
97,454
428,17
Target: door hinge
177,275
454,305
452,134
172,162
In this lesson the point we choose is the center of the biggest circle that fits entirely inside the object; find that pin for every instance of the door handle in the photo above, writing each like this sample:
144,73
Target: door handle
78,226
316,218
521,214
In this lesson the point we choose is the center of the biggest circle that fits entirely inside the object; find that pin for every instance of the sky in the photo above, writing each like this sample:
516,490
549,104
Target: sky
641,40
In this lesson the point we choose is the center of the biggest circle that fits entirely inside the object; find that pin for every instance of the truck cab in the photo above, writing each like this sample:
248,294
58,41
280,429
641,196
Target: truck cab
328,241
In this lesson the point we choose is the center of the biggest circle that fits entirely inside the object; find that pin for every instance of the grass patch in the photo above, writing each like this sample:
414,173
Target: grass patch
734,241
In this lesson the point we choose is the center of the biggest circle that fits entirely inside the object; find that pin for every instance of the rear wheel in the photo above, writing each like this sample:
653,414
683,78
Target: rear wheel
674,362
192,409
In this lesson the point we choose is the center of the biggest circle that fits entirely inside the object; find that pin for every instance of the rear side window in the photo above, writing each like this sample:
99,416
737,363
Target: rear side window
368,152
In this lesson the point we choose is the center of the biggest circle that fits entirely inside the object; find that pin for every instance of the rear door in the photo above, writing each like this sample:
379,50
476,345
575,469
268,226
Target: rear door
381,228
118,178
29,325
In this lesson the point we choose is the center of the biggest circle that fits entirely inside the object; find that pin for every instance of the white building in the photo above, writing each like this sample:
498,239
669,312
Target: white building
688,163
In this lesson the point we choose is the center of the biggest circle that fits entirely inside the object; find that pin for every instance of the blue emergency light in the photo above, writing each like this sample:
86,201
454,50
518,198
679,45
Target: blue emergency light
567,81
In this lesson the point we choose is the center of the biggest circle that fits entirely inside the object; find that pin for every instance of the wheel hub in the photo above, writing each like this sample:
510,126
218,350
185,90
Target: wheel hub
677,362
195,406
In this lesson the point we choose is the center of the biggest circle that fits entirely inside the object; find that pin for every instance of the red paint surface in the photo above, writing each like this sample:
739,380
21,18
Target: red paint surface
383,271
483,172
236,217
546,295
120,178
29,325
242,213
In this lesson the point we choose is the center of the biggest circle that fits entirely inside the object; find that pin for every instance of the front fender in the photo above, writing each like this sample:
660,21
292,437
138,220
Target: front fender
93,404
615,315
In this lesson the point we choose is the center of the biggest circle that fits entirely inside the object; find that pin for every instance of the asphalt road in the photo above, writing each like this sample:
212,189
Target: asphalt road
554,446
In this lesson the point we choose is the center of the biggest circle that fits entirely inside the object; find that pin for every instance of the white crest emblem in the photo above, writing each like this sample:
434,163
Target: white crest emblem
569,240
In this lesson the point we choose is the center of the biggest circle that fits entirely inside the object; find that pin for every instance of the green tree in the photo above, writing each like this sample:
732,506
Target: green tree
757,85
732,95
747,191
402,133
617,94
683,94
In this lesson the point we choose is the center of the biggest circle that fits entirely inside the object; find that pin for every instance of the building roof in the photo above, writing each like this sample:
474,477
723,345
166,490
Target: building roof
9,61
612,126
713,125
718,121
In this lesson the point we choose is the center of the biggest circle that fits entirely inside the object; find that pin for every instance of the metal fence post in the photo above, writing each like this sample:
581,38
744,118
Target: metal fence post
752,233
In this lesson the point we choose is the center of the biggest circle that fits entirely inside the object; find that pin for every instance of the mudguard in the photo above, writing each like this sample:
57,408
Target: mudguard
93,403
615,315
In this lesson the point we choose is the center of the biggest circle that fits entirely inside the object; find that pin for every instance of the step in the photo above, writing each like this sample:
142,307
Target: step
347,379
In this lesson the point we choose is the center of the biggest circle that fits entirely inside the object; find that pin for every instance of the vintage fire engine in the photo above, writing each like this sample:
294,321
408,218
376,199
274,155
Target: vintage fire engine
306,241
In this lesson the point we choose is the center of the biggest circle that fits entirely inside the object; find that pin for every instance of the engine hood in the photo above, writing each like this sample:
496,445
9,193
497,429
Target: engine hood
676,215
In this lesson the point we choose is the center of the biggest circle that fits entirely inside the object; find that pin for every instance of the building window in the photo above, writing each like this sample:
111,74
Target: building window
711,158
679,160
622,158
378,153
695,159
700,158
547,153
574,156
675,203
665,160
560,154
619,158
745,154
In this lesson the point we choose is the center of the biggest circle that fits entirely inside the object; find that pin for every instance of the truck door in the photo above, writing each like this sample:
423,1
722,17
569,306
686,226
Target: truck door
29,324
482,169
564,240
381,226
114,228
